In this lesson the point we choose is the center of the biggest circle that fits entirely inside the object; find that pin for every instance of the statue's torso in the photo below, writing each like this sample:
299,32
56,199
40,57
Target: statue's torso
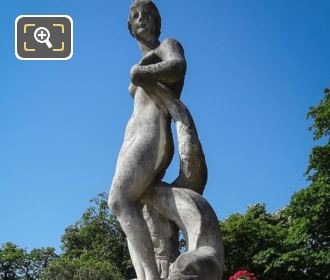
149,131
149,128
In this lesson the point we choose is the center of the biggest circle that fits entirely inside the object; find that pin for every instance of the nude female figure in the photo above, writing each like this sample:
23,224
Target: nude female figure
148,145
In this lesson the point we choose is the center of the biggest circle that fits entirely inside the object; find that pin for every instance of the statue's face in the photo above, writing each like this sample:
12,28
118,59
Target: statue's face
142,24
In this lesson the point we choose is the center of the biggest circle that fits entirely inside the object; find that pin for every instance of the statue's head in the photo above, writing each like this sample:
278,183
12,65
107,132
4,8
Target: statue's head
144,20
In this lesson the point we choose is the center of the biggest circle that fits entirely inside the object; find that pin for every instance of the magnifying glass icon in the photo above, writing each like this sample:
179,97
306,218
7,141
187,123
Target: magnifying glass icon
42,35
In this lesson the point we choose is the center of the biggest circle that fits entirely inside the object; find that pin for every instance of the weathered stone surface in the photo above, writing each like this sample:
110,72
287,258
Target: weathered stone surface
150,211
196,218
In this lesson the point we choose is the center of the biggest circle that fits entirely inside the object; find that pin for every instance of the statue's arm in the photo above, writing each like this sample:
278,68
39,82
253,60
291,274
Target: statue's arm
170,69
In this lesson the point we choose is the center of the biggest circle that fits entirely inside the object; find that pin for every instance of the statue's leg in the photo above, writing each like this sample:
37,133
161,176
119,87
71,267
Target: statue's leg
164,235
136,262
130,217
134,174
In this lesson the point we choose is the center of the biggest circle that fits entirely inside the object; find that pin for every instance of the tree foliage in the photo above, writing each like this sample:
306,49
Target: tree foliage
293,243
309,209
252,241
319,160
11,259
17,263
93,248
65,268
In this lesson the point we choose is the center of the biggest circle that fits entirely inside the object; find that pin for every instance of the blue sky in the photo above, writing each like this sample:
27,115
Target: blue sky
254,69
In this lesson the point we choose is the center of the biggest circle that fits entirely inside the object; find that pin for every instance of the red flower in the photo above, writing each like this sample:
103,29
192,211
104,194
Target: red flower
243,274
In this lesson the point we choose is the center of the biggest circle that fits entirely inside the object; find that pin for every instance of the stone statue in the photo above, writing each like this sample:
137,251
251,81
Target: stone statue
150,211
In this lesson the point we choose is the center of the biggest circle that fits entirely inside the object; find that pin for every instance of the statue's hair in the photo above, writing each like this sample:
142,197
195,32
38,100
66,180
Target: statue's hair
153,10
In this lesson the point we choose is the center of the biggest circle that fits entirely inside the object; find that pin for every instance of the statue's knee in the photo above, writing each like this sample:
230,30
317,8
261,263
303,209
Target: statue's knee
114,204
119,203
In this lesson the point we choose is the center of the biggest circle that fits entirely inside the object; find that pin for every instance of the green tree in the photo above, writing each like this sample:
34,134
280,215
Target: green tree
93,248
11,259
309,210
293,243
65,268
319,160
251,240
17,263
35,262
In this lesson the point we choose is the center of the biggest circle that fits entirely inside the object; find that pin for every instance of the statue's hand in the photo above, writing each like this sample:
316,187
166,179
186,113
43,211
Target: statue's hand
136,75
150,58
